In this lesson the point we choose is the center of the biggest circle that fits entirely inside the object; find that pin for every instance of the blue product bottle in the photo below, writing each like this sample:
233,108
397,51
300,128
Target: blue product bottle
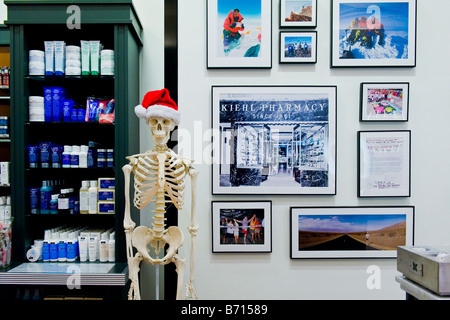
62,250
54,249
54,204
48,104
45,196
34,200
45,154
67,106
56,103
81,114
74,113
46,250
91,159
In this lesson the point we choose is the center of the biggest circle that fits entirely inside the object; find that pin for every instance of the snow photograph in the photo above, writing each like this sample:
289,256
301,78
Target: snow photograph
239,34
376,33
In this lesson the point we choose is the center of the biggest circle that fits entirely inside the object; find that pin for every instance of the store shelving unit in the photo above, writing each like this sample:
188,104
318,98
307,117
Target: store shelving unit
5,108
116,24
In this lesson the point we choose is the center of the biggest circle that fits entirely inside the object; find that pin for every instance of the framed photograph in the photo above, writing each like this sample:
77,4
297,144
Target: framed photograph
298,47
384,163
384,102
298,13
239,34
242,226
274,140
375,33
350,232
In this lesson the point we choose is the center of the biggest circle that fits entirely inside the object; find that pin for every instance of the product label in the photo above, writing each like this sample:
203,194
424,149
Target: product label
53,251
74,160
106,196
45,251
62,250
66,160
63,204
71,250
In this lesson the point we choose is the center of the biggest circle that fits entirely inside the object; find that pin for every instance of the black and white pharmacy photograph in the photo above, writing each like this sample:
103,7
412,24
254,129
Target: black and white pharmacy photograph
274,140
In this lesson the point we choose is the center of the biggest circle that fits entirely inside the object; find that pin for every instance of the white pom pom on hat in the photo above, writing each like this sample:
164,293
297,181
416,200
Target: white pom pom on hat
158,104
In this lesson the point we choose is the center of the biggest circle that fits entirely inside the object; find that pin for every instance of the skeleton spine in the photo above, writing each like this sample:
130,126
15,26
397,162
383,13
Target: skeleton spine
158,225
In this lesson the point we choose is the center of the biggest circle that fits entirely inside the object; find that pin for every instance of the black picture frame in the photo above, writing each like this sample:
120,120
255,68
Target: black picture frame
298,24
297,55
254,53
263,165
350,232
248,230
358,53
388,177
389,102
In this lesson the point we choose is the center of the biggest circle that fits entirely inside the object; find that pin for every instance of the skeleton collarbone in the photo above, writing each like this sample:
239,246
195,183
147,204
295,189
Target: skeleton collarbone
158,174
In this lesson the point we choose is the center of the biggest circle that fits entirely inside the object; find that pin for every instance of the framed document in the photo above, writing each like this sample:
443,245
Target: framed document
384,163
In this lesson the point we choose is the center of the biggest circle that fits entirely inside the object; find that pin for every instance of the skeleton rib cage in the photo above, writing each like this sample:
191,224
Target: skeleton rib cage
146,176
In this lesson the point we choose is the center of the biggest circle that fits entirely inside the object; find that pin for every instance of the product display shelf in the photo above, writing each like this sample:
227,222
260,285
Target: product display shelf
117,27
5,108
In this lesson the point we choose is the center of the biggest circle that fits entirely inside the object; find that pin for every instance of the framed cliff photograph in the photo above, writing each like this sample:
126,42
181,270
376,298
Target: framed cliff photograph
384,164
274,140
376,33
241,226
298,47
239,34
384,102
298,13
350,232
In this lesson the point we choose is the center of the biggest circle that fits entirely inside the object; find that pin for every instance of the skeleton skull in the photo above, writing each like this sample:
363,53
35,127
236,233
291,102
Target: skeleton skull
161,129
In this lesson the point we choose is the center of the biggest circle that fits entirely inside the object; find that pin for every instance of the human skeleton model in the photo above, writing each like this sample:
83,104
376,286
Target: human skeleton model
159,176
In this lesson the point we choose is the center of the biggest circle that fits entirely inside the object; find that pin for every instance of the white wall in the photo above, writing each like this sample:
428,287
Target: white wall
275,276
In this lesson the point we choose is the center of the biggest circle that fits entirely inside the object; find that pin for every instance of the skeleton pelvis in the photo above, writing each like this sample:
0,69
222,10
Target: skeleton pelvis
143,236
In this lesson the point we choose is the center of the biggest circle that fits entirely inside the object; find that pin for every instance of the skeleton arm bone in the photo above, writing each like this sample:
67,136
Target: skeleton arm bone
193,228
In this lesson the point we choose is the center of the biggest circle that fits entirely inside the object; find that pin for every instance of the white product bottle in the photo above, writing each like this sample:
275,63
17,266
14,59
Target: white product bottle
93,197
111,248
2,208
104,248
75,157
66,156
8,209
84,197
62,247
83,156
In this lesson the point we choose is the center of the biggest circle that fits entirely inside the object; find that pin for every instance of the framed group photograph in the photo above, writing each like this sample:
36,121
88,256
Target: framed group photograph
239,34
384,163
298,47
298,13
376,33
242,226
384,102
274,140
350,232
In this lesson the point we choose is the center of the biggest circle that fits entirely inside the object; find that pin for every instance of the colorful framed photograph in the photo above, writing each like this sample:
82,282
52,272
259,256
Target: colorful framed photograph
384,163
298,13
350,232
239,34
242,226
298,47
274,140
384,102
375,33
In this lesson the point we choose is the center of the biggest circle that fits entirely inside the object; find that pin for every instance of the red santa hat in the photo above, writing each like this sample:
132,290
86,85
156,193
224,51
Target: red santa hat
158,104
